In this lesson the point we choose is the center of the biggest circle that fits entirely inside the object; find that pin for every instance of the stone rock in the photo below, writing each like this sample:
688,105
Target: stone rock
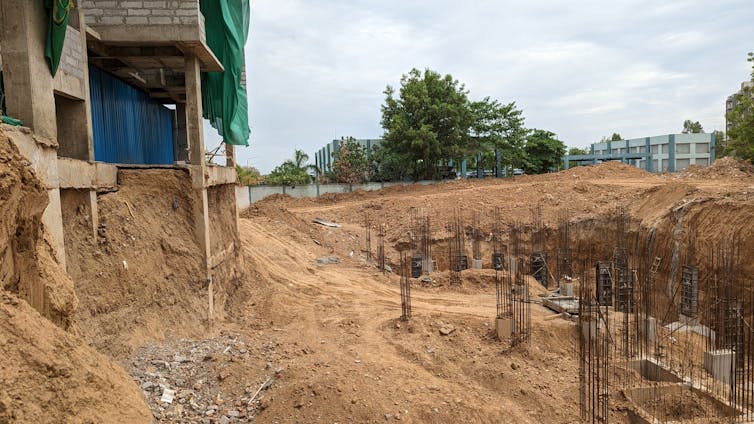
447,330
328,260
224,420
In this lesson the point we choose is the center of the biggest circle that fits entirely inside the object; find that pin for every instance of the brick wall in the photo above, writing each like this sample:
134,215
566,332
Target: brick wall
141,12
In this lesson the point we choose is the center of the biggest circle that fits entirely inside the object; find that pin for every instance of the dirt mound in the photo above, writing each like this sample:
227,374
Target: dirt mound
48,375
611,169
27,267
140,279
727,167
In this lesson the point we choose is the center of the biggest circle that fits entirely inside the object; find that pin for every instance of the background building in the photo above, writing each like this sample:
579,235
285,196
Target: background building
662,153
731,103
325,156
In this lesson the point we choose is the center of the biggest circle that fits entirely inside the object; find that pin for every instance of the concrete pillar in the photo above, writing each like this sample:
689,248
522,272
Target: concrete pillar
712,148
479,166
463,168
52,218
28,82
195,138
193,106
504,328
476,264
180,151
230,155
671,153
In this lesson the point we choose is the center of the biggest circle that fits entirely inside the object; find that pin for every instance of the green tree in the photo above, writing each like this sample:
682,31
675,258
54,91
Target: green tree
616,137
691,127
288,173
292,172
386,165
543,151
720,144
499,128
426,121
350,164
248,175
741,119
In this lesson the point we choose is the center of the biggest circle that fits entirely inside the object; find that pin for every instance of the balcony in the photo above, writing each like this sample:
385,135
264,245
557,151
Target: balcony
144,42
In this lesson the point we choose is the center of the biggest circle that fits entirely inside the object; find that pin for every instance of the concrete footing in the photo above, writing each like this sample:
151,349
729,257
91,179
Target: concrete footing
476,264
566,289
504,328
648,325
720,363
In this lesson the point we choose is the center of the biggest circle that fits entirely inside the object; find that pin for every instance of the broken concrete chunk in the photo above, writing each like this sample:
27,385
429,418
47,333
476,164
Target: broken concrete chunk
447,329
328,260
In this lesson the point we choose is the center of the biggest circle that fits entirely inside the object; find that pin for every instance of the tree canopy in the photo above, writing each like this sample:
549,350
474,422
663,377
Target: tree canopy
692,127
430,121
291,172
427,121
350,164
543,151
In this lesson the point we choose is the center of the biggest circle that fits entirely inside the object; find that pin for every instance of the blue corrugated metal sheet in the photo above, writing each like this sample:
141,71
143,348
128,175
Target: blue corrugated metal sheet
128,126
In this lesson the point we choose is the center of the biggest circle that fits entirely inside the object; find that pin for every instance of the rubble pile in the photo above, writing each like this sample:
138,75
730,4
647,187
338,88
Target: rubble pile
185,381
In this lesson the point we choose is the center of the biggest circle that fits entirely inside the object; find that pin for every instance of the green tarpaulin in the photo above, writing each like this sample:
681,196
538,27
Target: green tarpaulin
224,99
59,12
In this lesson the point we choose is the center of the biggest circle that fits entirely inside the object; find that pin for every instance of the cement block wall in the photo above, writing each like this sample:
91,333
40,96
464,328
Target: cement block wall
141,12
73,54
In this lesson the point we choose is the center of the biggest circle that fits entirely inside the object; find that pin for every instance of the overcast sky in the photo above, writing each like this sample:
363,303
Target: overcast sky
582,69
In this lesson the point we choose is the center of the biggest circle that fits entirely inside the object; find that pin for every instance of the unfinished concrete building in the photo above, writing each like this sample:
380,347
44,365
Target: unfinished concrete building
127,97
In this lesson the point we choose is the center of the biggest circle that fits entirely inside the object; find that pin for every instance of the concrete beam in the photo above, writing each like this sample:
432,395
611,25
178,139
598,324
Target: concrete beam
219,175
79,174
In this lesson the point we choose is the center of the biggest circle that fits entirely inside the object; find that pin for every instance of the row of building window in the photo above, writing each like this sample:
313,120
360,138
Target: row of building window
680,148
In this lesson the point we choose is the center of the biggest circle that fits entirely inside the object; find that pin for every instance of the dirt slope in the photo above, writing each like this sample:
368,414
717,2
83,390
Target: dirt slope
47,375
139,280
27,267
50,376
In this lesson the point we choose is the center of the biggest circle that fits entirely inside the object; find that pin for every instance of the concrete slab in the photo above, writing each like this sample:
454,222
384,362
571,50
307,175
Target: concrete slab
568,304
